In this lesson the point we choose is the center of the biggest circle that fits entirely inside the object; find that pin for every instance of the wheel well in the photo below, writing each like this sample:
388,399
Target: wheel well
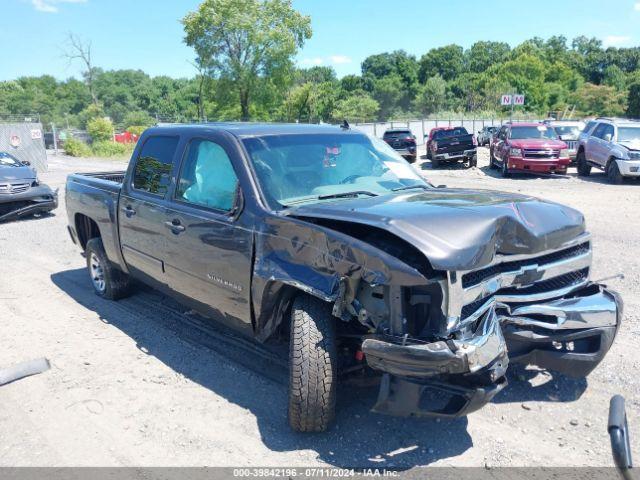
609,162
86,228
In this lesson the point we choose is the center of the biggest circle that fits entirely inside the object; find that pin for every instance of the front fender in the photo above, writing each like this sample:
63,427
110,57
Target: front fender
293,255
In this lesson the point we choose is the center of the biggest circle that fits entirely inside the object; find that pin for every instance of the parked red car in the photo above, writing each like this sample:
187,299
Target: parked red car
529,148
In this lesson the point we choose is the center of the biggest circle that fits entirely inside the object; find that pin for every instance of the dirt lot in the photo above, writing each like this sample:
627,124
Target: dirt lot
132,383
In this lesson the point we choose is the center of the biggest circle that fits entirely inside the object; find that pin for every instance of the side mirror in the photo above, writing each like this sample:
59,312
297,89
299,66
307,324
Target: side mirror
608,137
26,163
619,435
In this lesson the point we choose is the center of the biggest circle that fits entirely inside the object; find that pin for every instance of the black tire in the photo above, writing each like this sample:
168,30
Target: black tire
613,173
312,365
435,163
108,281
411,159
584,169
473,162
492,165
505,169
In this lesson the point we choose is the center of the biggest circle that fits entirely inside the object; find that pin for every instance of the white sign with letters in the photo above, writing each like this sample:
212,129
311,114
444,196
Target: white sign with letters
506,100
518,99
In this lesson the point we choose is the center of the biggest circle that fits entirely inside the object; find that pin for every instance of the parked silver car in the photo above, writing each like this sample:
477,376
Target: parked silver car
612,145
568,131
486,134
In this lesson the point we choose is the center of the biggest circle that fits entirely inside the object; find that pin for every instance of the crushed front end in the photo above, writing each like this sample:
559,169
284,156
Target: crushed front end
444,348
20,199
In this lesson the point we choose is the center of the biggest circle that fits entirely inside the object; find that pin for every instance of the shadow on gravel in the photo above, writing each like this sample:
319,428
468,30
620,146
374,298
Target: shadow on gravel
534,385
213,358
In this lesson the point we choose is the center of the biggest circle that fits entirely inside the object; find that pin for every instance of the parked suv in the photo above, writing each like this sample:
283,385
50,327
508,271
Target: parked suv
569,132
403,142
485,135
528,147
612,145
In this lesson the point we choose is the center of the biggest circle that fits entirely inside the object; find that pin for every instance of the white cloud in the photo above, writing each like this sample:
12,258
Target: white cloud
51,6
616,40
339,59
637,7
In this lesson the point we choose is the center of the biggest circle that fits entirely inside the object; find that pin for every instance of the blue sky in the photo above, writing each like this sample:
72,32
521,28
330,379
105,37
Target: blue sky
146,34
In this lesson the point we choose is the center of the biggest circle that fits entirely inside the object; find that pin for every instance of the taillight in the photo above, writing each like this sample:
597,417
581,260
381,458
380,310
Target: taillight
475,140
410,140
435,145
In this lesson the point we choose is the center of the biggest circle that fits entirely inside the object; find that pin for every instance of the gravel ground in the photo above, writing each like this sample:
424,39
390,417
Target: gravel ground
133,384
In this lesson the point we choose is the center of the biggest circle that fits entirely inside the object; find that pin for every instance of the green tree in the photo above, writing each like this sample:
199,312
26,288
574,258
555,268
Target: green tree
633,107
593,99
432,96
242,40
100,129
359,107
448,62
482,55
388,91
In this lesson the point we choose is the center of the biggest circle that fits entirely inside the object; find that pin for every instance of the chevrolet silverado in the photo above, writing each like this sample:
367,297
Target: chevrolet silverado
327,238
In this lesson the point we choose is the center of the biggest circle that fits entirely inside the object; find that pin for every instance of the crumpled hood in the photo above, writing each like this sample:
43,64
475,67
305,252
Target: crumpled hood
10,174
460,229
533,143
631,145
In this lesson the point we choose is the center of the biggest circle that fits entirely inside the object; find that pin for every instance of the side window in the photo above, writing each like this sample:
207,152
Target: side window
609,130
599,130
207,177
153,167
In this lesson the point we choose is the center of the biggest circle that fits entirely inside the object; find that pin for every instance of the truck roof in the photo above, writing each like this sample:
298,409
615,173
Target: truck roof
250,129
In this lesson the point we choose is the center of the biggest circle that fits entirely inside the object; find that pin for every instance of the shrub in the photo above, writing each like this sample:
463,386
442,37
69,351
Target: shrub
109,148
76,148
100,129
133,119
136,129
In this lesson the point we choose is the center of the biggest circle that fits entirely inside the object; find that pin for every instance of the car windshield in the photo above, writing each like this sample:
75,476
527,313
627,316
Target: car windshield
307,168
533,132
568,130
7,160
450,133
629,134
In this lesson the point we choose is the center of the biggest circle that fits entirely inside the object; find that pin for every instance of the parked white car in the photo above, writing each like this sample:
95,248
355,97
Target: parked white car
612,145
568,131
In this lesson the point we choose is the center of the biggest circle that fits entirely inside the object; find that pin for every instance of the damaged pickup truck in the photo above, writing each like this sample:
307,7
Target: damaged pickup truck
21,193
327,238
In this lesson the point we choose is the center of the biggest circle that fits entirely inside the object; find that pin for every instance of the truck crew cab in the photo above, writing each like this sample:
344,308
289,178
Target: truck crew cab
327,238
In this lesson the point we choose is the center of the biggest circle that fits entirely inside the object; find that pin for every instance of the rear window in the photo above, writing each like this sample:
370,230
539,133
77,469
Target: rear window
454,132
153,167
397,133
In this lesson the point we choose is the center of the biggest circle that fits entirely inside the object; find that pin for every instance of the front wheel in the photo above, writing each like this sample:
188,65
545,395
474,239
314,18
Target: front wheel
312,365
613,173
584,169
108,282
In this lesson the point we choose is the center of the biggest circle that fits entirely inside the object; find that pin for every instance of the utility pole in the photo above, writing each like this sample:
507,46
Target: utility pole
55,140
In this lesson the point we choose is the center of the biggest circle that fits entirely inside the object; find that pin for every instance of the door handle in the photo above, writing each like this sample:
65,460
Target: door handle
175,226
128,211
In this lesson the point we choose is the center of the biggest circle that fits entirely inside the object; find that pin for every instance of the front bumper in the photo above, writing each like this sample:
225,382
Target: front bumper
456,377
464,155
35,200
538,166
629,168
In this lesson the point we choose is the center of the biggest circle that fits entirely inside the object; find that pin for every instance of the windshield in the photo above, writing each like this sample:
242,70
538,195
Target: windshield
294,169
7,160
573,131
629,134
533,132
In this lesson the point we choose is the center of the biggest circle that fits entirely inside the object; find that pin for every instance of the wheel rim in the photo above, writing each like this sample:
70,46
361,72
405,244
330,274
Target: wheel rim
97,273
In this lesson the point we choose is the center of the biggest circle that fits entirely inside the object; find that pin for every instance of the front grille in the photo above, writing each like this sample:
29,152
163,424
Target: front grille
541,154
474,278
551,285
556,283
12,188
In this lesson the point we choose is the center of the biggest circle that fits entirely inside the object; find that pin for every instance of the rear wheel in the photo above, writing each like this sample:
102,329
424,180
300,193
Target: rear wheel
613,173
108,282
492,165
584,169
312,365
